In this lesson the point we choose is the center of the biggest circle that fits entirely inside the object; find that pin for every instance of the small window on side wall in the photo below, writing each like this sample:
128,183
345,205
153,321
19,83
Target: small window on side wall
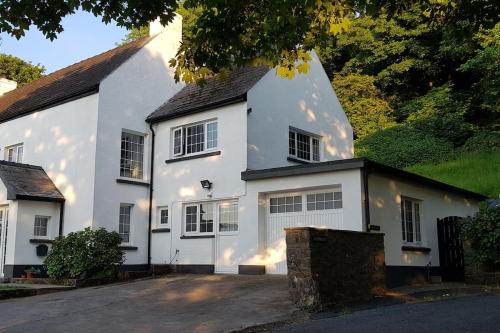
14,153
163,216
124,223
41,226
410,220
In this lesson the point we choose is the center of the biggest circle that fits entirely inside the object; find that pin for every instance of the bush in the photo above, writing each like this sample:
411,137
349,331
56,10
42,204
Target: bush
483,233
401,146
85,254
482,141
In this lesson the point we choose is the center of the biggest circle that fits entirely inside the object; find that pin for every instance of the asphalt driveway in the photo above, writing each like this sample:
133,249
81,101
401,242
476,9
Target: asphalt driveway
185,303
466,314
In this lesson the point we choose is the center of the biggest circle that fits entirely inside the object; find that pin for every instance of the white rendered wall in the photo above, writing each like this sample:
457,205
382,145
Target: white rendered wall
62,140
25,252
133,91
254,208
307,102
179,182
385,211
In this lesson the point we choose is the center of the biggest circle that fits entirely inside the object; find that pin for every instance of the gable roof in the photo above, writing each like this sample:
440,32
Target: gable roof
73,81
216,92
28,182
355,163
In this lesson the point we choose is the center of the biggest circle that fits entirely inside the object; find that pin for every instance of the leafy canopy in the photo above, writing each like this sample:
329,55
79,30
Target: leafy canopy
226,33
16,69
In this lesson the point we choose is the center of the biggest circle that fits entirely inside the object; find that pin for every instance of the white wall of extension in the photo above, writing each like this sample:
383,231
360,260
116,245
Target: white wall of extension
178,183
385,210
307,102
62,140
128,96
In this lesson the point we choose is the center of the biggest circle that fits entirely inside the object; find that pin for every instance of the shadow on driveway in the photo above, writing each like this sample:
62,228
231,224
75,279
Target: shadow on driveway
182,303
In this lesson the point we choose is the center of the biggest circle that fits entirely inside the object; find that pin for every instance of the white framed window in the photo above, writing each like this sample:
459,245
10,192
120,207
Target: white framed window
163,216
324,201
202,218
228,217
41,227
314,201
194,138
303,146
14,153
132,155
285,204
124,225
410,220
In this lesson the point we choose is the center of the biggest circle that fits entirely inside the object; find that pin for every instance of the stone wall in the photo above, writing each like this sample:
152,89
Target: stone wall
334,268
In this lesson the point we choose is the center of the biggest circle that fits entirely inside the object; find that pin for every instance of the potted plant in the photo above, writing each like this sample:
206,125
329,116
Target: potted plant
31,272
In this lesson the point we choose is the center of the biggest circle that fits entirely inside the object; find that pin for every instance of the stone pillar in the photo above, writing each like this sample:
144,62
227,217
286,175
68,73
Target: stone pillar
333,268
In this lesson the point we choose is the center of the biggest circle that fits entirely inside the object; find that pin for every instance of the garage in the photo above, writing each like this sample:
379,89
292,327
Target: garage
321,208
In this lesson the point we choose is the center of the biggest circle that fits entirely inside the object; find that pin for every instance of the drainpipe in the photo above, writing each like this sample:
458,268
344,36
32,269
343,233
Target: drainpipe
61,219
367,198
151,170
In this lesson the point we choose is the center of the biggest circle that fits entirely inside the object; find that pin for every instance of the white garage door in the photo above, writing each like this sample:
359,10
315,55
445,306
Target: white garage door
321,209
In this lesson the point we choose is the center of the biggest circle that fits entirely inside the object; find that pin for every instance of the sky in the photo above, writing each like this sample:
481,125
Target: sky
84,36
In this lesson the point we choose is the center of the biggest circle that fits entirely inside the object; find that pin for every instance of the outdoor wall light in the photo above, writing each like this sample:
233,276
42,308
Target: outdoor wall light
206,184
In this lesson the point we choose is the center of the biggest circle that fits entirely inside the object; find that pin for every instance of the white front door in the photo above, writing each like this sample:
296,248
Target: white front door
4,223
226,238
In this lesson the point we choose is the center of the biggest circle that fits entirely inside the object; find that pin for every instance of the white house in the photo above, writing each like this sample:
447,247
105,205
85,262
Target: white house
203,178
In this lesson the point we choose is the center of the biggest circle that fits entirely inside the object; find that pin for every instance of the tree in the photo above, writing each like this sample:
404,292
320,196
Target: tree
363,103
16,69
227,33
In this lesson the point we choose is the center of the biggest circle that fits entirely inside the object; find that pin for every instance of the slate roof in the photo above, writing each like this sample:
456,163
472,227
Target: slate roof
70,82
28,182
194,98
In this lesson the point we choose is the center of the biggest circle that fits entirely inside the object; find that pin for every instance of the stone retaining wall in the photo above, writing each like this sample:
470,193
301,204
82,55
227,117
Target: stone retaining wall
334,268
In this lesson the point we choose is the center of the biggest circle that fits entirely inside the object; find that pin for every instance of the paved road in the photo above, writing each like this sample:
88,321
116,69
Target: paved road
189,303
466,314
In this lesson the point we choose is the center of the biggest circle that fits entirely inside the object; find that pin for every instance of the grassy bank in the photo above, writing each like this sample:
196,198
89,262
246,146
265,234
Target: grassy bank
478,172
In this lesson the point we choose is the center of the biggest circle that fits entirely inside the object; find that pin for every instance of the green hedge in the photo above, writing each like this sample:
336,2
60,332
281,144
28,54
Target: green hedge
401,146
85,254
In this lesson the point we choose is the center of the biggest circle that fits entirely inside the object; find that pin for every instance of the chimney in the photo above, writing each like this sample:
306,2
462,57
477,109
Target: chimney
174,27
6,85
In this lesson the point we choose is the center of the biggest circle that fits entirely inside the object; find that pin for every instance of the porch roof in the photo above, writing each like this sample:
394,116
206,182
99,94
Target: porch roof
28,182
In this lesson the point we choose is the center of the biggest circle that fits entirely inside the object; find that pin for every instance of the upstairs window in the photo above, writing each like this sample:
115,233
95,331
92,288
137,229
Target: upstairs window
303,146
132,156
410,220
14,153
194,138
163,216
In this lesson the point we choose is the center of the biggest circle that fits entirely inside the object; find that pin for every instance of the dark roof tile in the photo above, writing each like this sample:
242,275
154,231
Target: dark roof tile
66,83
194,98
29,182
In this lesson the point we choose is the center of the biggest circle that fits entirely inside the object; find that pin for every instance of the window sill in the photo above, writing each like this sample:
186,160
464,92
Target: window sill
128,248
192,157
132,182
296,160
412,248
197,236
41,241
159,230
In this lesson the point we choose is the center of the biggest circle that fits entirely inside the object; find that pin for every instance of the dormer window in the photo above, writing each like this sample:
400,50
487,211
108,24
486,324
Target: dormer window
194,138
303,146
14,153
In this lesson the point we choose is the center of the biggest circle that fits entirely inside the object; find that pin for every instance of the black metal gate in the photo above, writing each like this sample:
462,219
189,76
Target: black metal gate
451,251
